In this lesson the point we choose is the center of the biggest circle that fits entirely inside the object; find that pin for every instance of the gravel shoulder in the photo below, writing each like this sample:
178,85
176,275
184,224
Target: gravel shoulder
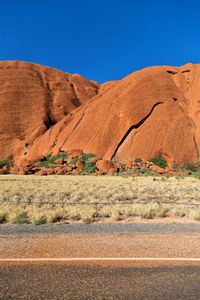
161,225
100,240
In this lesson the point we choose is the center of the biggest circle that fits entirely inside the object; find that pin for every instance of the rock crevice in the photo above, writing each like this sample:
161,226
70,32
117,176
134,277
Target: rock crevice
195,144
76,125
134,127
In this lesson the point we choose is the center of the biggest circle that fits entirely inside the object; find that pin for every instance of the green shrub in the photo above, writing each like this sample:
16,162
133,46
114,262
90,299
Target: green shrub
125,172
20,220
163,179
58,156
86,156
74,161
152,173
193,167
89,166
196,175
43,164
142,170
48,156
39,221
51,160
159,161
179,177
5,162
87,220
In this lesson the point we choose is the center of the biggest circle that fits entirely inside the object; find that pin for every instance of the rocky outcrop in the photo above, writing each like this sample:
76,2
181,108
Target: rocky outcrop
33,99
73,164
150,113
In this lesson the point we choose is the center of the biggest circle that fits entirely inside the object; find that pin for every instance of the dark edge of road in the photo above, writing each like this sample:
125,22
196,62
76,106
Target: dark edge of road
93,228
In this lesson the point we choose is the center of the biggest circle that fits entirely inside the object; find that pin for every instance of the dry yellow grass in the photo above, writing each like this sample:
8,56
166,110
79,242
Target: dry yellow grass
54,198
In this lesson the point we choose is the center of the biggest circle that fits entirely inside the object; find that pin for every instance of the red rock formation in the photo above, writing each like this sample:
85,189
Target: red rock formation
32,99
105,165
152,112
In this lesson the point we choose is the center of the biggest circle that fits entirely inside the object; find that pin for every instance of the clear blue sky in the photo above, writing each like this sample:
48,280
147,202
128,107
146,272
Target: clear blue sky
101,40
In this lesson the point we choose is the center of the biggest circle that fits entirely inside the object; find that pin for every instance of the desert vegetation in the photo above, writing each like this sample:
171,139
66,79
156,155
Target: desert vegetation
50,160
39,200
159,161
5,162
76,162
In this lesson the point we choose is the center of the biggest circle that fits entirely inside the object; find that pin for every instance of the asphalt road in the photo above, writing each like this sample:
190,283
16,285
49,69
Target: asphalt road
100,280
96,282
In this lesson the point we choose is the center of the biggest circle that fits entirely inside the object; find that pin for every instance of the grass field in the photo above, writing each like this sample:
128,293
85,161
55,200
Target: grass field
38,200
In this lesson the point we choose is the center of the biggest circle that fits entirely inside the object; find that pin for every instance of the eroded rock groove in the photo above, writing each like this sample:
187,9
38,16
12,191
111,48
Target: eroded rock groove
134,127
49,122
76,100
172,72
73,129
195,143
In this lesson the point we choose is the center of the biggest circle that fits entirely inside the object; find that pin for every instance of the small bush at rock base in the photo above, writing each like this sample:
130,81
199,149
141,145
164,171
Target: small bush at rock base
74,161
51,160
5,162
89,166
193,167
159,161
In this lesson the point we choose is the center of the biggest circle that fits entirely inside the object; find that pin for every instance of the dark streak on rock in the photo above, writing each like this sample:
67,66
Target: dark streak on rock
73,129
50,133
75,100
134,127
49,122
172,72
195,144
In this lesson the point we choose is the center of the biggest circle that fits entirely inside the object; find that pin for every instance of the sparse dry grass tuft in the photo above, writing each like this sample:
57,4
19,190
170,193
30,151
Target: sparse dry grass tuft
195,214
57,198
3,215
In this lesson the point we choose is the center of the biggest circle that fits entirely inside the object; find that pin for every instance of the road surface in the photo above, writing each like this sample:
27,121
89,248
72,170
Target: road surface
144,278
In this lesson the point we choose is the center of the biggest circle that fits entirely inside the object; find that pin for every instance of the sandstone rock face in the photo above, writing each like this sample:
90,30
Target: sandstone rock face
75,153
33,98
150,113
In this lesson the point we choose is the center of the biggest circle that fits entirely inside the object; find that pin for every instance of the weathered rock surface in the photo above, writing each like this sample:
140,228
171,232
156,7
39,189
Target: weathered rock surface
104,166
150,113
33,99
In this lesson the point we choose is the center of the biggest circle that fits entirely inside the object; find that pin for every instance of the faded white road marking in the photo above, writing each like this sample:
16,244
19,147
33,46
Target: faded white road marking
102,259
